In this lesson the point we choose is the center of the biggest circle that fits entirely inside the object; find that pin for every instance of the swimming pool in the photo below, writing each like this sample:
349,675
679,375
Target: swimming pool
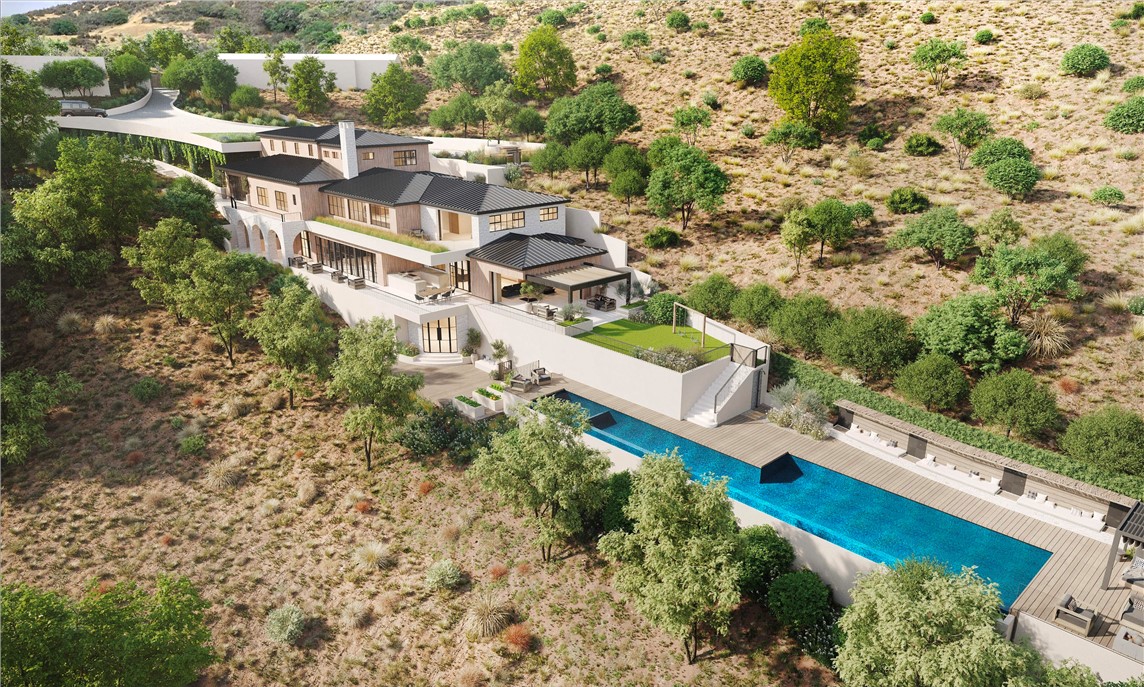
870,521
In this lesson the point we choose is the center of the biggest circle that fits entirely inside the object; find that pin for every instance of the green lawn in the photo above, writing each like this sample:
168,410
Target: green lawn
653,336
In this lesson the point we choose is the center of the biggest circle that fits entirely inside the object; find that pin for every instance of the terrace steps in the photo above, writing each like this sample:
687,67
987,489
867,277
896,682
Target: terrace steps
702,412
438,359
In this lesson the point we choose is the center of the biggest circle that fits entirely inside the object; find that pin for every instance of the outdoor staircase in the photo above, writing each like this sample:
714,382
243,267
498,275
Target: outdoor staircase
439,359
703,412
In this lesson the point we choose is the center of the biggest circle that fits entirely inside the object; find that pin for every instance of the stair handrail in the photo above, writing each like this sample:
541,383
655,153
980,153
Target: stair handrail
751,357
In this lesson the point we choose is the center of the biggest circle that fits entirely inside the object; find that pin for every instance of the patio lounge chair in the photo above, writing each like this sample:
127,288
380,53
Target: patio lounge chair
357,282
550,313
1132,615
519,383
540,376
1071,615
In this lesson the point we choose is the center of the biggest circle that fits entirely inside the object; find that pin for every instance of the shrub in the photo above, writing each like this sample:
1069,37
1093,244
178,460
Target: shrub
1112,438
487,615
284,624
1047,335
862,212
1134,12
800,409
147,389
799,599
678,20
246,97
997,149
193,445
711,100
1013,177
764,555
756,304
713,296
749,70
874,341
71,322
618,487
890,44
661,237
983,37
871,131
107,325
1136,305
907,201
661,307
552,18
1014,400
922,145
999,229
1127,117
671,357
1133,85
813,25
801,321
224,475
876,144
935,382
519,637
1108,195
747,130
929,18
372,556
1085,59
443,575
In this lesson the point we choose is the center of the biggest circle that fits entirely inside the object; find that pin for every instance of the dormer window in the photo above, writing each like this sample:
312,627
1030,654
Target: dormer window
404,158
549,214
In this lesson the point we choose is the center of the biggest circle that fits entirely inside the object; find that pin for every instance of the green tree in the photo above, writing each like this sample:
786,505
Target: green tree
687,180
219,293
626,158
970,329
41,635
73,224
588,155
627,184
165,45
295,335
916,624
1064,249
461,109
939,232
164,256
219,79
832,222
182,74
472,65
679,562
24,113
713,296
246,98
20,39
498,105
310,85
1013,177
1023,278
239,40
26,396
527,122
788,136
802,321
798,235
127,70
545,67
756,304
689,120
749,70
635,41
967,129
938,58
393,97
542,465
1014,400
934,381
363,376
550,159
874,341
276,71
1111,438
599,108
813,80
80,74
764,556
284,17
999,229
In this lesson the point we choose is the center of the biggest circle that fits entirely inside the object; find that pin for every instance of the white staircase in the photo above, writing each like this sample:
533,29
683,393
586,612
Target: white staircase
703,412
439,359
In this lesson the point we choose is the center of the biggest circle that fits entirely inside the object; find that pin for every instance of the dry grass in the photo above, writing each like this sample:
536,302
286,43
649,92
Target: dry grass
373,556
487,615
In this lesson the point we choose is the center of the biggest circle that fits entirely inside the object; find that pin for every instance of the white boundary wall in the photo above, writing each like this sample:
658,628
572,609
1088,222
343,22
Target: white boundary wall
131,107
350,71
493,174
1058,644
34,63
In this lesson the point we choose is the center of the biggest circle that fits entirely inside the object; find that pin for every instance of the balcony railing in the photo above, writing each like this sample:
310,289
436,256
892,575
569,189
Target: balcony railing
282,216
403,239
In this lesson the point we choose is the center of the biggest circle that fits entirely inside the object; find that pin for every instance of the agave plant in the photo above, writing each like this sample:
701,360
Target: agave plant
1048,337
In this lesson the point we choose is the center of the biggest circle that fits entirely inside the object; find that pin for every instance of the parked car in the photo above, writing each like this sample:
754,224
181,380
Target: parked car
80,108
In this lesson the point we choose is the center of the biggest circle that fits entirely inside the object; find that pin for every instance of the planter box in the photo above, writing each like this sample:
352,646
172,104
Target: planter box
470,412
496,406
628,312
486,365
408,359
578,328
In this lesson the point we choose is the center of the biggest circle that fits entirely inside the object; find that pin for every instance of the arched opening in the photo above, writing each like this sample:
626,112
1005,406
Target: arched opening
257,242
240,237
275,254
297,248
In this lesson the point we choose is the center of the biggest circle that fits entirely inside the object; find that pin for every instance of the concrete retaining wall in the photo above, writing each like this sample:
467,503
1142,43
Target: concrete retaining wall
1058,644
493,174
131,107
350,71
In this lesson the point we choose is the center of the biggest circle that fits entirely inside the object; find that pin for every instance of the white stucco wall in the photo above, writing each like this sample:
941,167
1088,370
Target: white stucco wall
350,71
532,225
34,63
493,174
1058,644
582,224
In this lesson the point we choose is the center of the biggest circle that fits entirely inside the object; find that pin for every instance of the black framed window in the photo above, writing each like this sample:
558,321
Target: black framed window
305,239
549,214
334,205
358,211
439,336
404,158
459,275
280,200
379,215
347,259
507,220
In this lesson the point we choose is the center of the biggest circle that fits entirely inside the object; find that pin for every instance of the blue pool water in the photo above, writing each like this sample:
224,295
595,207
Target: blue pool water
857,516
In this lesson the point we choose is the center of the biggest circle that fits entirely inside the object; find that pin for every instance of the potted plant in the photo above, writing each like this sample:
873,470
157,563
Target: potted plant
473,340
530,290
500,355
407,352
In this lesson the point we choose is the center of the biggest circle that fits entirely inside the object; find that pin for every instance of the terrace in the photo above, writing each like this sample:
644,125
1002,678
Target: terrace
634,338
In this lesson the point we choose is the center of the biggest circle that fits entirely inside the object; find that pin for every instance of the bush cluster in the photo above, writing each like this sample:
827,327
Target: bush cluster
1014,177
799,599
1127,117
922,145
929,18
1133,85
997,149
443,575
661,306
284,624
671,357
983,37
147,389
1085,59
661,237
764,556
907,201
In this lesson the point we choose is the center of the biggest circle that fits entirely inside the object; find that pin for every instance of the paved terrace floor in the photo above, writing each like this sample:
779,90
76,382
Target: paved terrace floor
1077,563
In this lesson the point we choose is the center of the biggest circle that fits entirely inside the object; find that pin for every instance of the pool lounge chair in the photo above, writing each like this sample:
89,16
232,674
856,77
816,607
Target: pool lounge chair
1071,615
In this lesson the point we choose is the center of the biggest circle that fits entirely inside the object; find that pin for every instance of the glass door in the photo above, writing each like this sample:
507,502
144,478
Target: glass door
459,275
439,336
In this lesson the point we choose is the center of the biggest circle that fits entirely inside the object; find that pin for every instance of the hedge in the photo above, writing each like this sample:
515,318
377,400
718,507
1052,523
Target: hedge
832,388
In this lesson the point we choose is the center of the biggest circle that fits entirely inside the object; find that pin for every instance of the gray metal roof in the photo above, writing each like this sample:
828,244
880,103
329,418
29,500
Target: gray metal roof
524,252
397,187
1133,524
331,135
287,168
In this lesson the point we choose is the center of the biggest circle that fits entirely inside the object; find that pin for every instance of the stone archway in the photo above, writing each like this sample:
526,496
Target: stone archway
274,246
296,249
257,241
240,237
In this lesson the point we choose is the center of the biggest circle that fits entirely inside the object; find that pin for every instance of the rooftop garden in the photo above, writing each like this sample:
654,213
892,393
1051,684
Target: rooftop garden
384,235
228,137
681,350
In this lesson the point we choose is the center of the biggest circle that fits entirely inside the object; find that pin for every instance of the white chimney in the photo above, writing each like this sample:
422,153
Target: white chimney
349,149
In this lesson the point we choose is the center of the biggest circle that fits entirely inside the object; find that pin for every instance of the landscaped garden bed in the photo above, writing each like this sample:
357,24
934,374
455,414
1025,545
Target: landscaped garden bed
469,407
681,350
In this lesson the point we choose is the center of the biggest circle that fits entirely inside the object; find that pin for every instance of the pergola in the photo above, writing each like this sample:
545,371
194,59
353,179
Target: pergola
581,277
1131,530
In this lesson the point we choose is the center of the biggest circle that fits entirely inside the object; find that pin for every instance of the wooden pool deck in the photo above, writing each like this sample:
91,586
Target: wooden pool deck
1075,567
